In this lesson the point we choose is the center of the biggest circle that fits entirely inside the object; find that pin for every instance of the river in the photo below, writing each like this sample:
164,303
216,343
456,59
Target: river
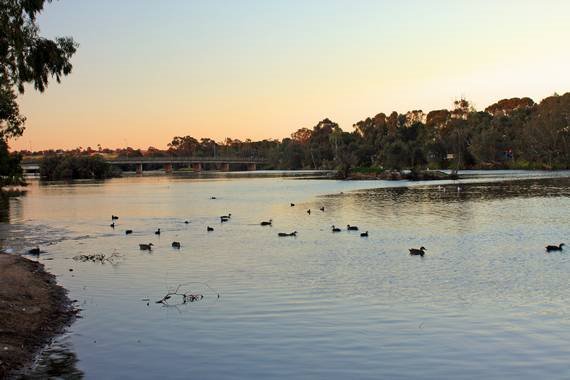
486,300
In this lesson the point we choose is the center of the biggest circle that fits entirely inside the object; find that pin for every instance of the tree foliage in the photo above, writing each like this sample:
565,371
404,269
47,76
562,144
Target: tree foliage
70,166
26,57
512,133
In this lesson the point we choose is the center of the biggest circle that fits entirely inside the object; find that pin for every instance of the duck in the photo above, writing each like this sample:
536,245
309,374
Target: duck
176,244
322,208
146,247
267,223
364,234
157,232
283,234
128,232
292,204
224,219
209,229
550,248
186,222
335,229
114,217
212,197
309,211
34,251
112,225
417,252
351,228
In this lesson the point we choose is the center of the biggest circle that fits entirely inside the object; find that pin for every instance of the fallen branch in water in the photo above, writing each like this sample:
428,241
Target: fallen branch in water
186,296
98,258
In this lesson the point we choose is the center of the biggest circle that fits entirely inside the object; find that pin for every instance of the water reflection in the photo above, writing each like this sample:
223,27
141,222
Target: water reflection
58,361
4,208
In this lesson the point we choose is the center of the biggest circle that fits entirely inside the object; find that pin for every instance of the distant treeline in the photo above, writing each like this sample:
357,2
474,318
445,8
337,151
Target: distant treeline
512,133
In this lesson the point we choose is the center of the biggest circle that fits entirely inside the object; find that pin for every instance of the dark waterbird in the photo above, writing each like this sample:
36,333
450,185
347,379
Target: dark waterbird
112,225
417,252
212,197
351,228
283,234
186,222
551,248
176,244
292,204
34,251
209,229
157,232
364,234
322,208
267,223
146,247
114,217
309,211
128,232
335,229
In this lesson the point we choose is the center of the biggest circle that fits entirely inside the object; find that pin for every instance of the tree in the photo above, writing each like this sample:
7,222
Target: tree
26,57
183,146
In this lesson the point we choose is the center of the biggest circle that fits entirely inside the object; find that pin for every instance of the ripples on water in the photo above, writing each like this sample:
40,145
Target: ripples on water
485,301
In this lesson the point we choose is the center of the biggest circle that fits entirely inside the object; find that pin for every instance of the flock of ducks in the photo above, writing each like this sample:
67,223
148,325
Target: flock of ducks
225,218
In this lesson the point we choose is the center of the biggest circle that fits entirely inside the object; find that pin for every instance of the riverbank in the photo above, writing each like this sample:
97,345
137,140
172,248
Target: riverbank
33,309
393,175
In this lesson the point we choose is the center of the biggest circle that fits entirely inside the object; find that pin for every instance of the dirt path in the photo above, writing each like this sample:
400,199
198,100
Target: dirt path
33,309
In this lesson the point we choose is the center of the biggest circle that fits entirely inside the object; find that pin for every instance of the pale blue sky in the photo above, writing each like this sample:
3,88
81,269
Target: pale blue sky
149,70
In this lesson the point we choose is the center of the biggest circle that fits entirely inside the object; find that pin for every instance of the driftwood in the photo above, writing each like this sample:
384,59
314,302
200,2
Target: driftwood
98,258
183,295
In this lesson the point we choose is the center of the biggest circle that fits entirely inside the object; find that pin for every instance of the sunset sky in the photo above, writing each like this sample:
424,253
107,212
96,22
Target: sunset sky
149,70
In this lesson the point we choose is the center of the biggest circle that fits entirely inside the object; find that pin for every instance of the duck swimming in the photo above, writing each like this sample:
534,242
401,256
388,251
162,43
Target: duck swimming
114,217
364,234
157,232
351,228
550,248
266,223
417,252
146,247
309,211
322,208
128,232
292,204
112,225
335,229
209,229
283,234
34,251
176,244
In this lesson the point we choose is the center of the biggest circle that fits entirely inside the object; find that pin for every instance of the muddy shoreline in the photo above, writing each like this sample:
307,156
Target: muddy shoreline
33,310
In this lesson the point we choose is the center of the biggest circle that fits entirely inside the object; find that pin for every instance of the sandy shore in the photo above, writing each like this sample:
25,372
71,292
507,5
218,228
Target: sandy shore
33,309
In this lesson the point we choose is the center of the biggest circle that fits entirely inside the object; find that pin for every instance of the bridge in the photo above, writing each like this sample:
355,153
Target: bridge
31,166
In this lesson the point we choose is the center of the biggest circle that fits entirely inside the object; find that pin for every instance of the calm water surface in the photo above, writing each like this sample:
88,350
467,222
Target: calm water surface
485,302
